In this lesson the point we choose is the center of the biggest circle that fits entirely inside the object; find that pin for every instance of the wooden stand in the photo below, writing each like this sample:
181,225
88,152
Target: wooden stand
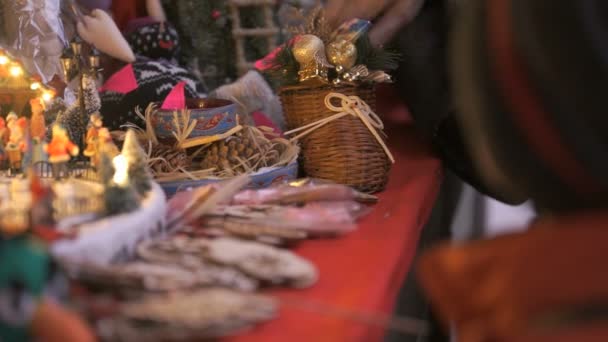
270,30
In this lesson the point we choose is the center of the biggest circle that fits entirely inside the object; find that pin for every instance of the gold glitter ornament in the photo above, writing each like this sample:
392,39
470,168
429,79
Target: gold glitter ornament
309,51
342,54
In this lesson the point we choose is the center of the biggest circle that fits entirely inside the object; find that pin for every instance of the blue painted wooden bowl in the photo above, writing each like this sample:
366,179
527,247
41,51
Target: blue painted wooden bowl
213,116
263,178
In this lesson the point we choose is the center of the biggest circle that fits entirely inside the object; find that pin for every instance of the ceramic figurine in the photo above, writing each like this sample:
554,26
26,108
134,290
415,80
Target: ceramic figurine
37,124
105,144
60,149
3,132
16,144
11,120
92,137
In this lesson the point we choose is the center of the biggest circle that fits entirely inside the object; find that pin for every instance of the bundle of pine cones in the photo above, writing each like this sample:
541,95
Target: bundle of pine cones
247,150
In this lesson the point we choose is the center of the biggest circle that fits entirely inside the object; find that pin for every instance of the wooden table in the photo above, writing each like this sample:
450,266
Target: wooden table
361,273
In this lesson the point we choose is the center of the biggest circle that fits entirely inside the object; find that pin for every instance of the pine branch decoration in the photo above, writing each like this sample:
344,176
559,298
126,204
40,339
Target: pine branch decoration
316,24
284,67
375,58
139,174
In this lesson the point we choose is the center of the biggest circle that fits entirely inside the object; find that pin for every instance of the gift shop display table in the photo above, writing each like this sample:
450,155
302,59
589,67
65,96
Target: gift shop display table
362,272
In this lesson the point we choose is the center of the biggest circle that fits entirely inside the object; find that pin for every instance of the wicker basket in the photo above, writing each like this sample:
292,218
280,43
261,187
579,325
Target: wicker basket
343,151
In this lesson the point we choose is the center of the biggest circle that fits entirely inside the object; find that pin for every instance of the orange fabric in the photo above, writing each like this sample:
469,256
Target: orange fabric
50,316
493,290
364,270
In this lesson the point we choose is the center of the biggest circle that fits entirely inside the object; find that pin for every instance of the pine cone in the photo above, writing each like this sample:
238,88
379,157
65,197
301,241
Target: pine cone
230,154
167,158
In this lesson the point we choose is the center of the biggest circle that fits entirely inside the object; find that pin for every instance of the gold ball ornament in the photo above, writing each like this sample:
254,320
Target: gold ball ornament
306,49
309,51
342,53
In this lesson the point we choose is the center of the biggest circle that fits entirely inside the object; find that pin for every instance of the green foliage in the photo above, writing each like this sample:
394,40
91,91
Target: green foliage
207,44
284,68
375,58
205,39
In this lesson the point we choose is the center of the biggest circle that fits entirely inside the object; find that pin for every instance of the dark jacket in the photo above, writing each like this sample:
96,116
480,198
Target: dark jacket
423,80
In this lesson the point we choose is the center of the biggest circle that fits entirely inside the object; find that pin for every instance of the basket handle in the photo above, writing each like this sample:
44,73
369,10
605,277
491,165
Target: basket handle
349,105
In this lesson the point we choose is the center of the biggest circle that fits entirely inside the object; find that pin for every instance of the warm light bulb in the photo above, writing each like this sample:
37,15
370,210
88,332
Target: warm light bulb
35,86
16,71
3,60
47,96
121,166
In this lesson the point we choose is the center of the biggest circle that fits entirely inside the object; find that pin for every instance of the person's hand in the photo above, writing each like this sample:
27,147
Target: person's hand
100,30
389,15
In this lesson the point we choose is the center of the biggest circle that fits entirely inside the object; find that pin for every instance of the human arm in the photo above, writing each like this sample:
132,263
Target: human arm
389,15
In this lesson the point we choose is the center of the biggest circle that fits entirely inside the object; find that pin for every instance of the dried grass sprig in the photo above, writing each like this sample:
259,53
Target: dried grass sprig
315,23
147,119
182,126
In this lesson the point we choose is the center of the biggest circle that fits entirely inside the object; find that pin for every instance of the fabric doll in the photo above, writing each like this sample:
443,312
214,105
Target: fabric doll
155,71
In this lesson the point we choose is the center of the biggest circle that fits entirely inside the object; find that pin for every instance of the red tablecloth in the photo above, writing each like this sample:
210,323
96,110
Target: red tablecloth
363,271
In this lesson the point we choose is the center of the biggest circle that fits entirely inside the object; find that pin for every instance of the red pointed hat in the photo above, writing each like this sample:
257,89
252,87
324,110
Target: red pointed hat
123,81
176,98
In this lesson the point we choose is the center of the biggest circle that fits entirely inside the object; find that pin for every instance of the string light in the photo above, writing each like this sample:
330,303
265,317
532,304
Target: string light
16,71
121,167
47,96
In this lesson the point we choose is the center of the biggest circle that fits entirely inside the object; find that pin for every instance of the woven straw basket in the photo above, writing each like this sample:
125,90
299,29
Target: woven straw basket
343,151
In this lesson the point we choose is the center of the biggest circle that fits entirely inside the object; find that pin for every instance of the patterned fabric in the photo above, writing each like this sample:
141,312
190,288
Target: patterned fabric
155,40
19,290
155,79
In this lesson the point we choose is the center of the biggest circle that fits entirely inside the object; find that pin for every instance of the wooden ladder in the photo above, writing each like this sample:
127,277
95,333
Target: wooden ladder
269,30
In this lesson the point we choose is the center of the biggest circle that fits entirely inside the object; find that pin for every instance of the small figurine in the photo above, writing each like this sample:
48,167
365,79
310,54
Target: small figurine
37,124
60,149
105,144
3,132
92,137
16,144
11,121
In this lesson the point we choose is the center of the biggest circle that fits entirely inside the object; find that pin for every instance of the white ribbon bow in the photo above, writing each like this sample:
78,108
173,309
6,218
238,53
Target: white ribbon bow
349,105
